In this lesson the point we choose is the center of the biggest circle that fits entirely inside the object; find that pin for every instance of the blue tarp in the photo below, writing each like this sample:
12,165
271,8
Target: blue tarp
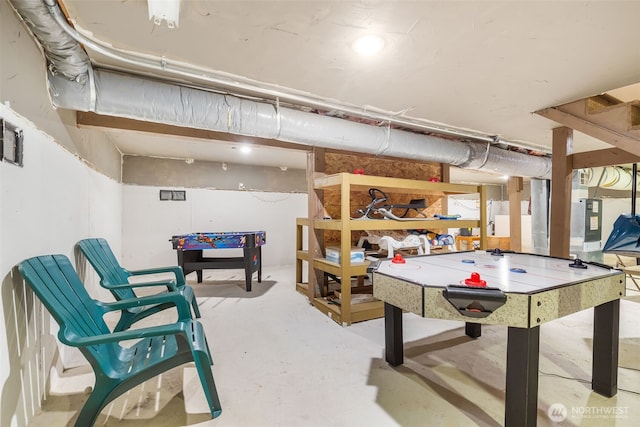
625,236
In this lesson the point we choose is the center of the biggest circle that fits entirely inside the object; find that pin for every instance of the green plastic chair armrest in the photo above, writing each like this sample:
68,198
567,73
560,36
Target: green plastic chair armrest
71,338
182,305
169,284
175,269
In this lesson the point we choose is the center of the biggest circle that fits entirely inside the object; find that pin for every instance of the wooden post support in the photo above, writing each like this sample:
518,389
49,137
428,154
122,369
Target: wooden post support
345,250
445,176
445,172
560,223
515,187
484,218
315,167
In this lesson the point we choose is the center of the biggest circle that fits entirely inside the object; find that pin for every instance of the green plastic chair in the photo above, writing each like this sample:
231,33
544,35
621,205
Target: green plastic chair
115,278
118,368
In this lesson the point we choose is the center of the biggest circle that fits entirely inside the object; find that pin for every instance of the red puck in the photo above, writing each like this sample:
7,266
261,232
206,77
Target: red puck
475,280
397,259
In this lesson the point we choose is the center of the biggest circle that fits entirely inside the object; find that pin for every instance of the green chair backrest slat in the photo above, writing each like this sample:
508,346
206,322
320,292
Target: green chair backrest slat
101,257
54,280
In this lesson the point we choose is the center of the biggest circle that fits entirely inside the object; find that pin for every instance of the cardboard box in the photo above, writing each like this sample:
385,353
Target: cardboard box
333,254
502,243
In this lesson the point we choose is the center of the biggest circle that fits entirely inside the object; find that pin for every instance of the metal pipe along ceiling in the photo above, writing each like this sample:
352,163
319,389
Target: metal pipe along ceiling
115,94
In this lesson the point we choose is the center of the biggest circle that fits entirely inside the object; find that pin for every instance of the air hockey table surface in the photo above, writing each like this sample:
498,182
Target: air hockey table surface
510,272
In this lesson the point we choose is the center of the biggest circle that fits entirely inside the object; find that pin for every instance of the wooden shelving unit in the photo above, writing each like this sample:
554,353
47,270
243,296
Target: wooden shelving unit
346,313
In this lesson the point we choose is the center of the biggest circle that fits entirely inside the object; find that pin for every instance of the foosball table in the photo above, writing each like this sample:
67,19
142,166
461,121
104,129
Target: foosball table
190,249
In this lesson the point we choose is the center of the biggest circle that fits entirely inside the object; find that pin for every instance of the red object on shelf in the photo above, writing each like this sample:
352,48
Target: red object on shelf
474,280
434,179
397,259
359,171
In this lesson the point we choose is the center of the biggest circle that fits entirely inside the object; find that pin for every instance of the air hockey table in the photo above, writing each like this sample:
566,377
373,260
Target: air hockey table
190,247
520,291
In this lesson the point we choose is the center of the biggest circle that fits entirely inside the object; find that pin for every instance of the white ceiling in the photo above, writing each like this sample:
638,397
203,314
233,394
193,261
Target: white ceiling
479,65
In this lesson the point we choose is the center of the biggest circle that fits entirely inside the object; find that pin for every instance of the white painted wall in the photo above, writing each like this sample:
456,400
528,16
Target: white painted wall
148,223
23,84
46,207
57,199
497,214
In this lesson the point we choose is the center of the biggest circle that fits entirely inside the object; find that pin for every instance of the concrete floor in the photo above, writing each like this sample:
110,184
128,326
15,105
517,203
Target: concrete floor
280,362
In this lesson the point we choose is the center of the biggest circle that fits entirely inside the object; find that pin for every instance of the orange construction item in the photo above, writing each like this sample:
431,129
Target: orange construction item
475,280
398,259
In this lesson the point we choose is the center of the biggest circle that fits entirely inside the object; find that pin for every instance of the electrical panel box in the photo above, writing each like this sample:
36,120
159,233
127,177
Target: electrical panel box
586,229
593,220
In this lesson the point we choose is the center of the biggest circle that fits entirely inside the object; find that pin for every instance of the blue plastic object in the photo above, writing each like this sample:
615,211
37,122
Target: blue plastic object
625,236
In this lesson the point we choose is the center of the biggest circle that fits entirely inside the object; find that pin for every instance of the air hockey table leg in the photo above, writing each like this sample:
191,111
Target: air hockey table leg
606,331
473,330
521,395
393,335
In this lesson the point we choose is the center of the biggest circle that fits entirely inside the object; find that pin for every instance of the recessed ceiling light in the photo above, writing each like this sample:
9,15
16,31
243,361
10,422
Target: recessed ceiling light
245,149
368,45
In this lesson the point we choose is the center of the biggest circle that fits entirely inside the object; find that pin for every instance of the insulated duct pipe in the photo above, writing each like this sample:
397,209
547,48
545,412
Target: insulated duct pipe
132,97
64,54
154,101
610,177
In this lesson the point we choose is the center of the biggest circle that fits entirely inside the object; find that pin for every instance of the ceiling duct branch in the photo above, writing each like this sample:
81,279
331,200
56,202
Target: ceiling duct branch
129,96
63,53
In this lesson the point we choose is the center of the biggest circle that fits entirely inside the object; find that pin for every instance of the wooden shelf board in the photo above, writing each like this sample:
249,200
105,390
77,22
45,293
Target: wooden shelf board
380,224
327,224
302,254
359,312
302,288
336,269
389,224
365,182
367,311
